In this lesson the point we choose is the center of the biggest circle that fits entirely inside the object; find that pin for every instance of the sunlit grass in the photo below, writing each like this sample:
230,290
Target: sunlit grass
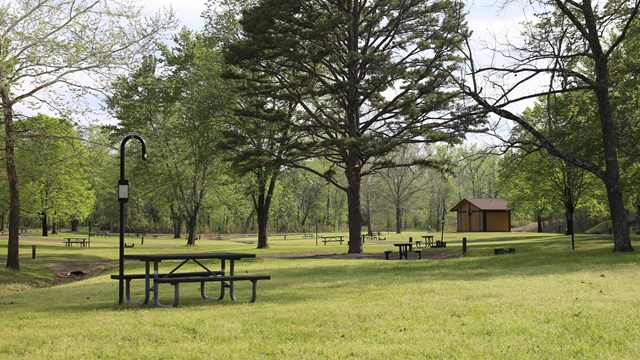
545,301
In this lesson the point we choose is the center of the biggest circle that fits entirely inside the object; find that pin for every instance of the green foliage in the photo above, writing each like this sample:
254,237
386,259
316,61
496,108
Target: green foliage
52,162
178,103
365,79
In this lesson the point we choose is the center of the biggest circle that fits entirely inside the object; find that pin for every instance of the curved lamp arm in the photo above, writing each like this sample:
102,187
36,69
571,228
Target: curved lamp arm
123,143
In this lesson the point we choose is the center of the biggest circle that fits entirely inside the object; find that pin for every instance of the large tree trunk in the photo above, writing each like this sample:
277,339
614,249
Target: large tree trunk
13,261
262,205
620,225
619,222
45,225
263,218
398,219
74,224
539,223
191,229
176,220
353,202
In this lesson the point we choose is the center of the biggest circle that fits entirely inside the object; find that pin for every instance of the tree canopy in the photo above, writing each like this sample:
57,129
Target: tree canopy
366,77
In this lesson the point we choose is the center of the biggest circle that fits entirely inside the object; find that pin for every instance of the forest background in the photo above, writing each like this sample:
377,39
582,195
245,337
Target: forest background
195,182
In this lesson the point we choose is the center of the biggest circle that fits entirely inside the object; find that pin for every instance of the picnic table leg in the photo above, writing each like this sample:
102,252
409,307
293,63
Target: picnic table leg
176,294
222,284
156,300
232,294
147,283
253,291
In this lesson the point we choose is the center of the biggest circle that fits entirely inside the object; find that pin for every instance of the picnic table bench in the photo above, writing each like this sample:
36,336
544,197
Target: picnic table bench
501,251
128,277
326,239
69,241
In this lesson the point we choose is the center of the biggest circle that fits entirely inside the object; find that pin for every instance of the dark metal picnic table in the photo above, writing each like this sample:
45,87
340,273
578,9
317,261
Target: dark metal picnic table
428,241
403,249
69,241
337,238
184,258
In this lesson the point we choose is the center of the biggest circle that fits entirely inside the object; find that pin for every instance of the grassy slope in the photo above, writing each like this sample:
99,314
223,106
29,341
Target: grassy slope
543,302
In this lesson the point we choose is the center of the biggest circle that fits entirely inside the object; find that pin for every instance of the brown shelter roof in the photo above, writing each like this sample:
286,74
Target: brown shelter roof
484,204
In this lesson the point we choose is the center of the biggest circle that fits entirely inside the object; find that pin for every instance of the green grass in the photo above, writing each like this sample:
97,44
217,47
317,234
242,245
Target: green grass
545,301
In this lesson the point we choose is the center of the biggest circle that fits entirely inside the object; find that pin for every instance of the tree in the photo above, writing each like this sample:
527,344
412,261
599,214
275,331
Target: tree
366,77
253,145
49,45
181,112
50,160
403,184
570,46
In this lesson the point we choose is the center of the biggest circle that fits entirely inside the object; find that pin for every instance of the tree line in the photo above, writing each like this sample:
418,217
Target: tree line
334,107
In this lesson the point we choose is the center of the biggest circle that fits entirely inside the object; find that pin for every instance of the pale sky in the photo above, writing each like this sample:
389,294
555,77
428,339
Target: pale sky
485,14
187,11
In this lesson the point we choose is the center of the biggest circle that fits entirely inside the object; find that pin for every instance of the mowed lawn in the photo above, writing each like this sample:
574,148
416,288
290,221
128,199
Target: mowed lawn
546,301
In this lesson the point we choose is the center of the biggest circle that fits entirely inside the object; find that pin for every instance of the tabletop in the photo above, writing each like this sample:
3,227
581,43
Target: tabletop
188,256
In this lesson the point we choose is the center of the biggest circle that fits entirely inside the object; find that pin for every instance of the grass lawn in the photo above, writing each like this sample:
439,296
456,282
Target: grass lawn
546,301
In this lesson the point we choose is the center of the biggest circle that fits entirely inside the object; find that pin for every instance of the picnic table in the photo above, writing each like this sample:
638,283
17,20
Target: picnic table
80,241
376,235
403,249
101,233
307,236
428,241
153,278
337,238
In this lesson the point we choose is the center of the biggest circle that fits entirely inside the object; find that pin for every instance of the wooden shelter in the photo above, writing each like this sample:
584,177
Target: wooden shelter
483,215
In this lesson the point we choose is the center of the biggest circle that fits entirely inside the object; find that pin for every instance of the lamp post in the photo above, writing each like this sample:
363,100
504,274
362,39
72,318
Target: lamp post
123,197
442,224
569,200
469,211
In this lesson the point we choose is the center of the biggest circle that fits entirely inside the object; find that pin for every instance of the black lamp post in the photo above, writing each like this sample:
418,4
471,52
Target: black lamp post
569,200
123,197
638,213
442,224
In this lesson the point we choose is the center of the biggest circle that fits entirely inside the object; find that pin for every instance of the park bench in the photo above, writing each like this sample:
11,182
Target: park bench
326,239
175,281
128,277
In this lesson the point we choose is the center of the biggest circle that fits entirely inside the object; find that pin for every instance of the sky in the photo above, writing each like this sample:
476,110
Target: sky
187,11
485,15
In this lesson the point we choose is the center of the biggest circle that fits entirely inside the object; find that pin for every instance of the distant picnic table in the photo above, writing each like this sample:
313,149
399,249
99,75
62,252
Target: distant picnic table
376,235
80,241
403,249
337,238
